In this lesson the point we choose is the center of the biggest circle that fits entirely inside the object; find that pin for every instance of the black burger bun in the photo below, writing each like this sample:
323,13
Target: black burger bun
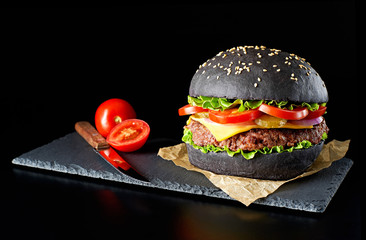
258,73
274,166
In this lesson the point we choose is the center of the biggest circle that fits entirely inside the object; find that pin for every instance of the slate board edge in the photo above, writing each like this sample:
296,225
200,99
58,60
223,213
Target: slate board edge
74,169
105,175
309,206
270,200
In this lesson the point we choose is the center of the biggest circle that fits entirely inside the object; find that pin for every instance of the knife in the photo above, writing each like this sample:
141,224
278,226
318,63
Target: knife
98,142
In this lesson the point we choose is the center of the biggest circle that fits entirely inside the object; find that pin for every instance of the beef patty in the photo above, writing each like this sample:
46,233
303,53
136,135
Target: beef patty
258,138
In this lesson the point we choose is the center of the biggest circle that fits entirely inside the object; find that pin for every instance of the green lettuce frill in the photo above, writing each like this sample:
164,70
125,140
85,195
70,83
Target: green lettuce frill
222,104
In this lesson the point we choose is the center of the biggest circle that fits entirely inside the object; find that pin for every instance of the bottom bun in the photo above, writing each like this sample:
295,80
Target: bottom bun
274,166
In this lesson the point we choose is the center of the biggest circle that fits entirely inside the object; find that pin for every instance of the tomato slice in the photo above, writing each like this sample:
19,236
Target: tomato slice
129,135
233,115
295,114
189,109
316,113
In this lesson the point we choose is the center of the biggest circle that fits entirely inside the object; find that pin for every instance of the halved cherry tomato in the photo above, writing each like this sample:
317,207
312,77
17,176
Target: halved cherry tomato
234,116
129,135
112,112
316,113
189,109
295,114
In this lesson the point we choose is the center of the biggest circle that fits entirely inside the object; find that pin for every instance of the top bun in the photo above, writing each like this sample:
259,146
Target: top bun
258,73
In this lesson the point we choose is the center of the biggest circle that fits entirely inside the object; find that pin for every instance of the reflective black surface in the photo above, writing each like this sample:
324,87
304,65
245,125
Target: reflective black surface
44,205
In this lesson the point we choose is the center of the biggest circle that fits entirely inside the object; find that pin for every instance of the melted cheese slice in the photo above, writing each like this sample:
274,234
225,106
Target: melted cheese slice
224,131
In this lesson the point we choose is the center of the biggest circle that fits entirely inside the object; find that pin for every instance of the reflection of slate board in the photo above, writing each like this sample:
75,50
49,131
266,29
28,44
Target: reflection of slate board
72,155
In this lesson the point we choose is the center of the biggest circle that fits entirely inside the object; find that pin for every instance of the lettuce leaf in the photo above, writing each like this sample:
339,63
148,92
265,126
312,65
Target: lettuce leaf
187,138
290,106
222,104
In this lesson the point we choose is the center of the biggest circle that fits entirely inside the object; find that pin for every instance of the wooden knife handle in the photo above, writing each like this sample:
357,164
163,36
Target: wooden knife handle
91,135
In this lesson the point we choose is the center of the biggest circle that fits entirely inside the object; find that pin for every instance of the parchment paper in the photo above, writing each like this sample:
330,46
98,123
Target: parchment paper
247,190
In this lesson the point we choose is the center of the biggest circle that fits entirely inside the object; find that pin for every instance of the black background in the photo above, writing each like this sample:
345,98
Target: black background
58,65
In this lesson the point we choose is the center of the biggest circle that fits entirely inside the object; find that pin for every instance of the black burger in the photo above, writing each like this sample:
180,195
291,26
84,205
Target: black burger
255,112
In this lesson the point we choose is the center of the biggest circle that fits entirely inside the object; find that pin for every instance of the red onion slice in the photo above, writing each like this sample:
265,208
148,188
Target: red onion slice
307,122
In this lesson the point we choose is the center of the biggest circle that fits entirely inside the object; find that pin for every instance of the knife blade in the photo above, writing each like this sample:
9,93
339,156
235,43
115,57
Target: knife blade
101,146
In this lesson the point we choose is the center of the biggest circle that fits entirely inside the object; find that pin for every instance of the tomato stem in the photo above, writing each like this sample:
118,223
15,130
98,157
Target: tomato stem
117,119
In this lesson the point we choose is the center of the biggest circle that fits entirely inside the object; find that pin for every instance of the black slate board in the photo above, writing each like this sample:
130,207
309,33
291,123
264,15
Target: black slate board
72,155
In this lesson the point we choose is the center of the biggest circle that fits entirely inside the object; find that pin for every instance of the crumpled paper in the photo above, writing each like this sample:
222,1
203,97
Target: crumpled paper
247,190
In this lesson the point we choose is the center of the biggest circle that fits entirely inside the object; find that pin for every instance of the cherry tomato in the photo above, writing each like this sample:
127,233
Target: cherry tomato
112,112
129,135
295,114
234,116
316,113
189,109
